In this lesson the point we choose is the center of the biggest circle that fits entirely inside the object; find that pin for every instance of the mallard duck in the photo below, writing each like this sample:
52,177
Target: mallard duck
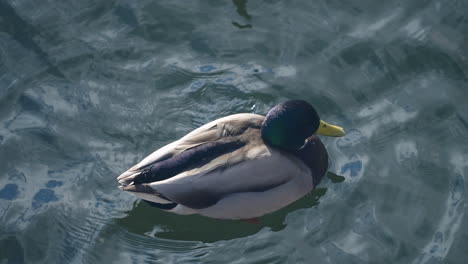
240,166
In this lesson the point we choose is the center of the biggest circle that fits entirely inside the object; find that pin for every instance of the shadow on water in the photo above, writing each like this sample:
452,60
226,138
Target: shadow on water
24,32
241,6
11,249
149,221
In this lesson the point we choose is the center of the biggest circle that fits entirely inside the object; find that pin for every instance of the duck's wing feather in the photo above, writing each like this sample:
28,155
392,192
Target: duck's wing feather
262,169
216,135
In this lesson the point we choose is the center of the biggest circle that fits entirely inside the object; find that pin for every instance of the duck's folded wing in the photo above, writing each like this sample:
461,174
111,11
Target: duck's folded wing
262,174
210,133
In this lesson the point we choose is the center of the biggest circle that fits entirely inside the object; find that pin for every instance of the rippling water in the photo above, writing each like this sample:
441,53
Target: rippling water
88,88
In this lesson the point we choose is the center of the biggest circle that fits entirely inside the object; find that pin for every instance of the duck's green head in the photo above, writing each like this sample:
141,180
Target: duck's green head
289,124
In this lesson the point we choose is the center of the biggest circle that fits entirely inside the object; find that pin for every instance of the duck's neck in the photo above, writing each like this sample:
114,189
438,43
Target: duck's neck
315,156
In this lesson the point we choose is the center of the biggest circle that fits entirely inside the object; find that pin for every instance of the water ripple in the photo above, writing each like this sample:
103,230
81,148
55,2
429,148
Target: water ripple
89,88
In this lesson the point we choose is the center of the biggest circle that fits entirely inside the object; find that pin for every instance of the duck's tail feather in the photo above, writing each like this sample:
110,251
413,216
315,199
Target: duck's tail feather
145,192
127,178
129,182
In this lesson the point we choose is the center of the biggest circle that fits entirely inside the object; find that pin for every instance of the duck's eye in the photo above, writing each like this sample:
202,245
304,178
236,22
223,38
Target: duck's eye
324,126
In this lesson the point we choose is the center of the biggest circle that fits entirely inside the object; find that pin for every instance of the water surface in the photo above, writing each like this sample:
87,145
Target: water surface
88,88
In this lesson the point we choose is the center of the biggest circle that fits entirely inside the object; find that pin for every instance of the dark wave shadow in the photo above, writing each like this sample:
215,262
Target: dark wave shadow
23,32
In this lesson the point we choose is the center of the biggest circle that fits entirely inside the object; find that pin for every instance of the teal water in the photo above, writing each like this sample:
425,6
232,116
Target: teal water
88,88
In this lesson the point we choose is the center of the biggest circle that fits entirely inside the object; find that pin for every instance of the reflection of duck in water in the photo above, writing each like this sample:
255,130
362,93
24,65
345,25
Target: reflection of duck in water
237,167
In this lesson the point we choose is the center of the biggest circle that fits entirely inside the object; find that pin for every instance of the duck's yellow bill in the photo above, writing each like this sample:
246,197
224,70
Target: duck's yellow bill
326,129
